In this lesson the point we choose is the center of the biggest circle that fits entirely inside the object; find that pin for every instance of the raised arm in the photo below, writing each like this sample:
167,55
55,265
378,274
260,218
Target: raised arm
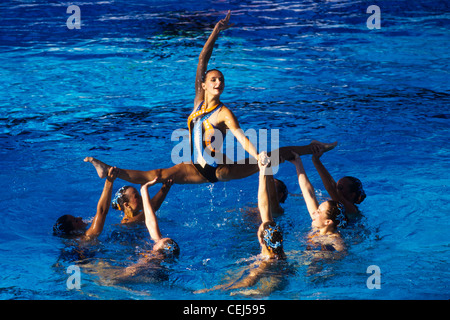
327,179
274,201
205,55
150,218
305,185
103,204
159,198
265,177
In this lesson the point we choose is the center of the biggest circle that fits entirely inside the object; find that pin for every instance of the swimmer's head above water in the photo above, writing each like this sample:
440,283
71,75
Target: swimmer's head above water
351,189
271,238
168,247
281,190
330,214
213,82
127,198
67,225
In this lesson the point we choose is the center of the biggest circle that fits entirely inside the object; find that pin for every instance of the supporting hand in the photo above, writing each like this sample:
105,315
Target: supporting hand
167,185
317,150
149,184
113,172
263,160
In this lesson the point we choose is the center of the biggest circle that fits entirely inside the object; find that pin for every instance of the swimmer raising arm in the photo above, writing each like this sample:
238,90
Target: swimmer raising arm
270,238
103,205
209,118
162,249
348,190
265,177
325,217
210,84
68,225
204,57
164,245
150,218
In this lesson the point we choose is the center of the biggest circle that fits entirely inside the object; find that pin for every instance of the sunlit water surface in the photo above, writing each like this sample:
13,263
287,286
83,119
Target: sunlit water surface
117,88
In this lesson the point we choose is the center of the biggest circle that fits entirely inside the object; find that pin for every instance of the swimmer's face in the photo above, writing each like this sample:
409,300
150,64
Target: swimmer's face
214,83
134,202
320,217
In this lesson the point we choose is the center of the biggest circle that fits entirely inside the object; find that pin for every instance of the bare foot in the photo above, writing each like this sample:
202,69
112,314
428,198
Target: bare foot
102,168
326,146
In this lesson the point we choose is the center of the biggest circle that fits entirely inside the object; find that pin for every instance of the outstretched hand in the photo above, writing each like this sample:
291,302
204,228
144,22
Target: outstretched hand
224,23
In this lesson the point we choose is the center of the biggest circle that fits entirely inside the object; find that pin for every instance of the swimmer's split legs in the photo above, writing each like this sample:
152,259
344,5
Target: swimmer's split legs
226,172
186,173
182,173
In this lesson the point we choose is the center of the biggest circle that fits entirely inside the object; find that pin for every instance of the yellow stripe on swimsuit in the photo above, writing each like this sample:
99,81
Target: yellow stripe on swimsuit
207,126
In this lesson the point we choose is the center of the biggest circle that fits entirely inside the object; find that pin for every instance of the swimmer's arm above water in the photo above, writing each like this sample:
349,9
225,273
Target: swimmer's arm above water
232,123
103,204
265,174
327,179
150,218
305,185
205,55
159,197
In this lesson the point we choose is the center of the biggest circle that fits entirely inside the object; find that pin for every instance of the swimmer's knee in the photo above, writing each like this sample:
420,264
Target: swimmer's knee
223,173
158,174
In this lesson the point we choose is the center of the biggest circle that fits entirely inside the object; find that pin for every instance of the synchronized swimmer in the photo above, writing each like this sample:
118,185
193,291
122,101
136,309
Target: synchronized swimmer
208,118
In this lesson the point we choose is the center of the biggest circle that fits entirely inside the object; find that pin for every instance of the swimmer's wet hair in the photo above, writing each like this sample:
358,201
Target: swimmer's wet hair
357,187
273,238
120,198
208,71
281,187
170,249
63,226
336,212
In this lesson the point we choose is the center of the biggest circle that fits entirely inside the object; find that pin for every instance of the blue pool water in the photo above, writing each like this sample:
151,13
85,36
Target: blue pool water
117,88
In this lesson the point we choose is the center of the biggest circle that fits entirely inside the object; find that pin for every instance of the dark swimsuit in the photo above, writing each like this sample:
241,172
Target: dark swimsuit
200,126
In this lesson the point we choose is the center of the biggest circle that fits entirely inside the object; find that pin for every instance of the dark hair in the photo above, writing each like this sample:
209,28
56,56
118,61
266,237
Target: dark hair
63,226
170,249
357,187
273,238
206,73
120,198
281,187
336,212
